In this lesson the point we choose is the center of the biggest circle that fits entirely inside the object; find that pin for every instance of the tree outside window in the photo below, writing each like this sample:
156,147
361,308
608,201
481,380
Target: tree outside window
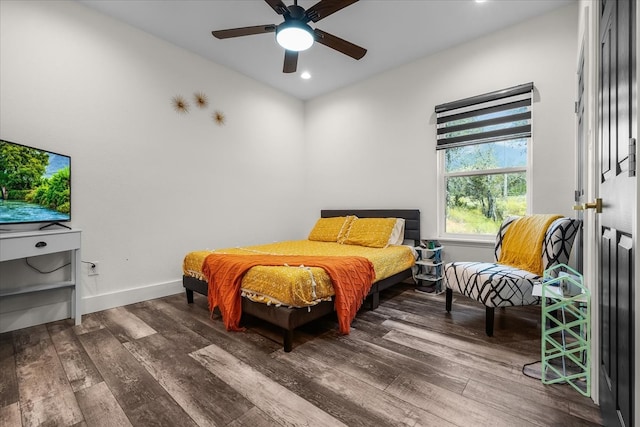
484,184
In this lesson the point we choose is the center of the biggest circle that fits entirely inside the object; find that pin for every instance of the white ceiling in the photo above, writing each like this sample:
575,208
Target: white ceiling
395,32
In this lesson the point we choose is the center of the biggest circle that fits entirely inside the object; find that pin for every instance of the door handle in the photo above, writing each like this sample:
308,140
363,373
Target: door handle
597,205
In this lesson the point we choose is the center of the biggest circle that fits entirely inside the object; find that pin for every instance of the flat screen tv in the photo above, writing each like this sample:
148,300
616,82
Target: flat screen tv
35,185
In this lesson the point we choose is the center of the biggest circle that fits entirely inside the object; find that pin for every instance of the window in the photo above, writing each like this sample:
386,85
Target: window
483,144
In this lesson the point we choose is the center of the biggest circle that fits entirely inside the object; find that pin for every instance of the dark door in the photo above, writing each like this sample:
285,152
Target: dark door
617,190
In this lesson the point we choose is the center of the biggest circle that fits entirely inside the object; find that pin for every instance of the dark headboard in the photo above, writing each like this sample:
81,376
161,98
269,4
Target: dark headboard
411,218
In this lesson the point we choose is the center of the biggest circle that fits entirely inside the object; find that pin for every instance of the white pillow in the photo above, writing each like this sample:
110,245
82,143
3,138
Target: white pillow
397,234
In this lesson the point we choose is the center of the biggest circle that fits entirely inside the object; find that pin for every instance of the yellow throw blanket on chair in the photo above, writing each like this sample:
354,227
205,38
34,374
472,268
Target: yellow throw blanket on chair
522,242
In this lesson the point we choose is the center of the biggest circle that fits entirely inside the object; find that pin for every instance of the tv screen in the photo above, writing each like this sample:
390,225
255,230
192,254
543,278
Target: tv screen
35,185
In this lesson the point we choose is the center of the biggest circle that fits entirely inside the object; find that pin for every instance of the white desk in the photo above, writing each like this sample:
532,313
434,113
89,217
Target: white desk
23,244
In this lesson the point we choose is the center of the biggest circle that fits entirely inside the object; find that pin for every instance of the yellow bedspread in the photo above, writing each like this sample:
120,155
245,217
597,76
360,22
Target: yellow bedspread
297,286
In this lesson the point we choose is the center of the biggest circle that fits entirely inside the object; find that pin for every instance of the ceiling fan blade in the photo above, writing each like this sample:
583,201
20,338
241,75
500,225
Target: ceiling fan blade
278,6
290,61
324,8
341,45
244,31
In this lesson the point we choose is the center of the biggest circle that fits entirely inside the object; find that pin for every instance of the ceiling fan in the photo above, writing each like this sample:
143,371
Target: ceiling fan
295,34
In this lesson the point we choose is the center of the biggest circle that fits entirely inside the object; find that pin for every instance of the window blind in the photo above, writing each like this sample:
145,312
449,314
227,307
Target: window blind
491,117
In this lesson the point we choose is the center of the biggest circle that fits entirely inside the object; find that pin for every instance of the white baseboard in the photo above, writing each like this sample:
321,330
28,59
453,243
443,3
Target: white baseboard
130,296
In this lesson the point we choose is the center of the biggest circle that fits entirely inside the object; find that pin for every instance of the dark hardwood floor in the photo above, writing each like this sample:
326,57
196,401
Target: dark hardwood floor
164,362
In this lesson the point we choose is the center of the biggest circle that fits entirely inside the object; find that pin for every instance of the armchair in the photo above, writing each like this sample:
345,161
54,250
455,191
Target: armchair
500,285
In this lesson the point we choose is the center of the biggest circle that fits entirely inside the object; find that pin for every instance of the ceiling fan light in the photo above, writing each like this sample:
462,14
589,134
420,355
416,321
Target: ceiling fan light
294,36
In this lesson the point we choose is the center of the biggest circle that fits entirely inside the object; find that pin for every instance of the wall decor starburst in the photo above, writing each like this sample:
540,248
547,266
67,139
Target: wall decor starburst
180,104
201,99
219,118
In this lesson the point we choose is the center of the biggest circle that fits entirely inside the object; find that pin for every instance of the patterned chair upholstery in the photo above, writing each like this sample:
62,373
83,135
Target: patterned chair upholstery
498,285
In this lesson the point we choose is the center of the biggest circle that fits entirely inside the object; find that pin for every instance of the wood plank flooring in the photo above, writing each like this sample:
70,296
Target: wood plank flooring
167,363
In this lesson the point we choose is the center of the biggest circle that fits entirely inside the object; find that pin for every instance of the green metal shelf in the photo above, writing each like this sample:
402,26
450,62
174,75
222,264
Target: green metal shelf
566,332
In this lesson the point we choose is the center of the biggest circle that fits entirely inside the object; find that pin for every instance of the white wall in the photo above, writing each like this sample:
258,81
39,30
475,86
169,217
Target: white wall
588,41
373,143
148,184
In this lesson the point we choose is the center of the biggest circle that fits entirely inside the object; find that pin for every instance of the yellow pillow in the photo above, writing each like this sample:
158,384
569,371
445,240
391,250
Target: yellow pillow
371,232
346,227
331,229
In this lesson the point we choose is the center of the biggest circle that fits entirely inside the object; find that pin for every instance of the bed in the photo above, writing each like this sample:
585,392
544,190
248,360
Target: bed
289,318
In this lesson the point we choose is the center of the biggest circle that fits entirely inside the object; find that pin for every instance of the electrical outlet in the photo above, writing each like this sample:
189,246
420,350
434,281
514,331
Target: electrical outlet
94,269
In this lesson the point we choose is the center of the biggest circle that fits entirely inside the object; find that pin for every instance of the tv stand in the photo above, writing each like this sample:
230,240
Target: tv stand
51,224
34,243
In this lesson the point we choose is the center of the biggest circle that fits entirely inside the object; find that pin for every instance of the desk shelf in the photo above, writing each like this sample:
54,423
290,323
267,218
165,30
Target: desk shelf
36,288
17,245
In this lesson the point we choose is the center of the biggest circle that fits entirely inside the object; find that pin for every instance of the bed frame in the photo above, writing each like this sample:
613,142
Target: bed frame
290,318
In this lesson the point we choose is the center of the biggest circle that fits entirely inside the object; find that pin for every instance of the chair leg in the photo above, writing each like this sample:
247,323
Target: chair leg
449,299
489,321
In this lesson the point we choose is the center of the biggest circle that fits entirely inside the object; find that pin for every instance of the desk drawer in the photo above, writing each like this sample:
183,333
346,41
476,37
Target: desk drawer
29,246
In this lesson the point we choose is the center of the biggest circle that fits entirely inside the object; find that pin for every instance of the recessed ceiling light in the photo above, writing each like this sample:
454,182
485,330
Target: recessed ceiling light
305,75
481,1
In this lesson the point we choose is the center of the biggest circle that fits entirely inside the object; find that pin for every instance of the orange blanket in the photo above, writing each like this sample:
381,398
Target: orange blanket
522,242
352,278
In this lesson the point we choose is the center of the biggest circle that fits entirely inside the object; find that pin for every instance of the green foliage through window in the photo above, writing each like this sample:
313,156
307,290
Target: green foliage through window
484,184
